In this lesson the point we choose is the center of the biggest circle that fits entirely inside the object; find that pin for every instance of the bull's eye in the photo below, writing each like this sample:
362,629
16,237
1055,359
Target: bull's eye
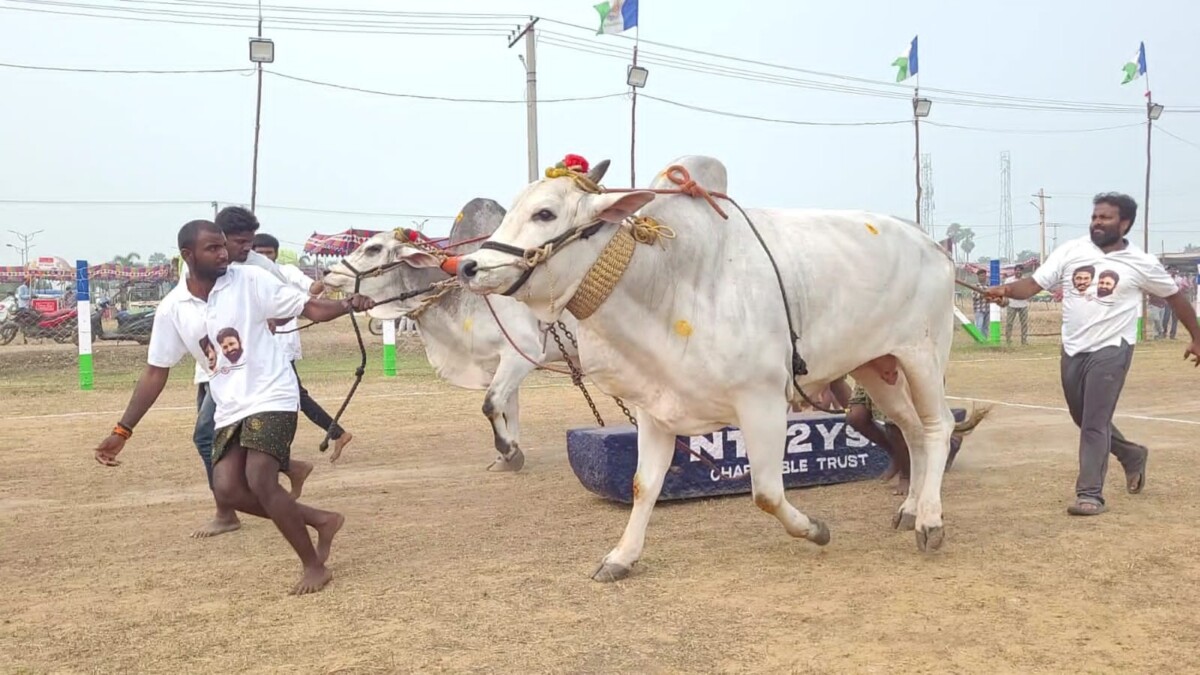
545,215
375,249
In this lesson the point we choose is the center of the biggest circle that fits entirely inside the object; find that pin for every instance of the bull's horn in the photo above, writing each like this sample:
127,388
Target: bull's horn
598,171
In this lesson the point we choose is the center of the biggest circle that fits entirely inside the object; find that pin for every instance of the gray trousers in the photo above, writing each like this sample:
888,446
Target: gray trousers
1092,383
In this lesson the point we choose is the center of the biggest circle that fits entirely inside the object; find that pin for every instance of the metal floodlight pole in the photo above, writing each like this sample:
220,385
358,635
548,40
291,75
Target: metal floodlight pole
921,107
1153,112
635,77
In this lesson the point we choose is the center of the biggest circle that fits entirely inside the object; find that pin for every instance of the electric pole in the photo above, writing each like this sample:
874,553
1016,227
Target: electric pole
927,205
1041,207
25,245
530,62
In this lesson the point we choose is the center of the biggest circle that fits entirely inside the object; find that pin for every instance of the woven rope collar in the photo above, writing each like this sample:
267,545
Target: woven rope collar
603,276
608,269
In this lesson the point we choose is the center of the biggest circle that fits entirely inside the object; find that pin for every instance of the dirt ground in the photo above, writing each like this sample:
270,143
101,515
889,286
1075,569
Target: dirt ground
443,567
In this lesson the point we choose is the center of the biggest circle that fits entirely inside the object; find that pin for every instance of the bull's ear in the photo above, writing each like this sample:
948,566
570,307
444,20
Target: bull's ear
418,258
615,207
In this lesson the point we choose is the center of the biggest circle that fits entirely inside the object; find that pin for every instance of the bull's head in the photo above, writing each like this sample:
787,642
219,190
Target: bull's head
398,267
548,240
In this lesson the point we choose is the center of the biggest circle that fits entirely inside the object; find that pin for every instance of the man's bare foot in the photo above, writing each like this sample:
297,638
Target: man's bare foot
312,580
217,526
890,472
339,445
325,533
901,486
297,474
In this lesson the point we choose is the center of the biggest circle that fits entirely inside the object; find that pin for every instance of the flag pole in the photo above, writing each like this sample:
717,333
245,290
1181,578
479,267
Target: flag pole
1146,203
637,33
917,132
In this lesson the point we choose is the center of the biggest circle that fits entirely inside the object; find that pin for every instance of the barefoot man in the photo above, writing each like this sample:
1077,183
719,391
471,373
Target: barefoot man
239,226
254,389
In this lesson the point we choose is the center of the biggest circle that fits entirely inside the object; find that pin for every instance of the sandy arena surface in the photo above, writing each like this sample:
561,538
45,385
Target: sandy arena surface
443,567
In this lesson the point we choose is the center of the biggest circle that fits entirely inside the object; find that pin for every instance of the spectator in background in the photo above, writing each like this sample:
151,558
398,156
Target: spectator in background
1017,309
1158,316
1170,322
24,295
982,313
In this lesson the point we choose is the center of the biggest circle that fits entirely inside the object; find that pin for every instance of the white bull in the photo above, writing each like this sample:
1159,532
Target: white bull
695,336
462,339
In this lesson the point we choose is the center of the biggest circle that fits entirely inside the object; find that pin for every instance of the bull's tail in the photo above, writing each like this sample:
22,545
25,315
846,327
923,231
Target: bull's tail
973,420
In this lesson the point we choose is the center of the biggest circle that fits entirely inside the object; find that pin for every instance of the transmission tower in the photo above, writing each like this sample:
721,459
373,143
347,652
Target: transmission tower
927,193
1006,225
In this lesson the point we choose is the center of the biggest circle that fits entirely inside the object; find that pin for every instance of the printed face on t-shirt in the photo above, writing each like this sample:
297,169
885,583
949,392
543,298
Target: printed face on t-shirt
1081,279
1107,283
206,346
231,344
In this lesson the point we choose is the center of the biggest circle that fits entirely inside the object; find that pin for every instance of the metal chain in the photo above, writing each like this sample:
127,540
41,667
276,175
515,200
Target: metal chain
571,337
576,373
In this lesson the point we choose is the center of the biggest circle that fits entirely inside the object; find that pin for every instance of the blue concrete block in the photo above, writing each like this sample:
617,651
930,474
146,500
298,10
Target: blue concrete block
821,449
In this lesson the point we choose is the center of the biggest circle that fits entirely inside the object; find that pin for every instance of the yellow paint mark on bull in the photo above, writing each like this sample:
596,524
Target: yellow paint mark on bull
468,323
458,218
683,328
871,229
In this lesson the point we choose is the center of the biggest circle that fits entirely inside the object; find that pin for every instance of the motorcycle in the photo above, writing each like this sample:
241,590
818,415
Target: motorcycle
130,327
61,326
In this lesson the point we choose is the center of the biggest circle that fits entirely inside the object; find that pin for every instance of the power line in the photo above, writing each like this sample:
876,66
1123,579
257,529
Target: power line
725,113
1178,138
128,72
209,203
439,98
464,24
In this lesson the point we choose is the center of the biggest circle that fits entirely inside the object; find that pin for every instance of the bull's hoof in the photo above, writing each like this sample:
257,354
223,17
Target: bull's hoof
513,463
609,572
818,532
904,521
930,539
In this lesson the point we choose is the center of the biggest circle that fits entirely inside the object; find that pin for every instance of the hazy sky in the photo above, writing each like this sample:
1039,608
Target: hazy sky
114,137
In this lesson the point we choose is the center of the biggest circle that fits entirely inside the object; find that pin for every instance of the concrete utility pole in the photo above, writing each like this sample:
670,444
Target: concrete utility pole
530,62
1041,207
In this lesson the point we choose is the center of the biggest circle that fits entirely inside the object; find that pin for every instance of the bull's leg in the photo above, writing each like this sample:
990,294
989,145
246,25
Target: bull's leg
926,384
656,448
501,408
764,426
896,402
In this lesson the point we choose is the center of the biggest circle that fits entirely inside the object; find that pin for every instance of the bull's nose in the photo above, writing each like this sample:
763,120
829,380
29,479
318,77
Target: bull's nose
468,268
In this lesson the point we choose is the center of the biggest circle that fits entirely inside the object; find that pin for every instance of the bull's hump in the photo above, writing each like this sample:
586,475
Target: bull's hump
478,218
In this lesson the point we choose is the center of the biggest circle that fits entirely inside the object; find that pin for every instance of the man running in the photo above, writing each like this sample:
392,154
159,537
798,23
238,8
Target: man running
1104,279
288,335
254,389
239,226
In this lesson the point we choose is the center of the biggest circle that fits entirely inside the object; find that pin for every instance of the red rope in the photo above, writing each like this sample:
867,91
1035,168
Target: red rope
514,344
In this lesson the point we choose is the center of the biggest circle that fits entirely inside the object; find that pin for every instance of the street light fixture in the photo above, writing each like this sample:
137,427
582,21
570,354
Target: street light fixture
636,76
921,107
1154,110
262,50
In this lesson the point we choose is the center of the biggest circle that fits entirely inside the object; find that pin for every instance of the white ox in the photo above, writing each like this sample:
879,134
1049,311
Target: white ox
462,339
695,336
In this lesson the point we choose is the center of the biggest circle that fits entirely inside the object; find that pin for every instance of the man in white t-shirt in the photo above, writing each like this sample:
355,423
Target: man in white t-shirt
239,226
1104,279
251,382
1017,309
289,336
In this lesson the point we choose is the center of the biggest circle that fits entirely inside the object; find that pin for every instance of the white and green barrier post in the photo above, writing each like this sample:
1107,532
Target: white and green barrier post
83,317
389,347
993,308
